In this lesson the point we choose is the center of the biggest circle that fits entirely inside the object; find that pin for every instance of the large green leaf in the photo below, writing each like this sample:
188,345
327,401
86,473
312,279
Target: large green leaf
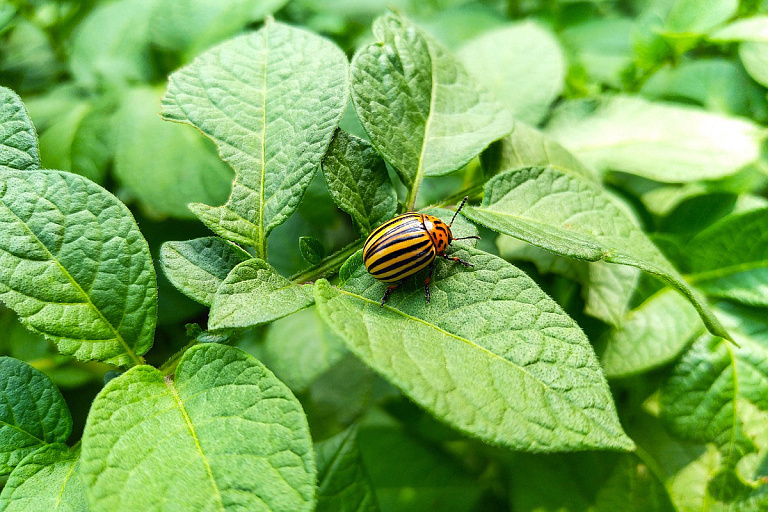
75,267
32,413
491,355
695,17
652,334
423,111
18,139
710,393
730,258
342,483
223,434
197,267
164,165
754,29
659,141
568,215
284,93
254,294
358,181
47,480
522,64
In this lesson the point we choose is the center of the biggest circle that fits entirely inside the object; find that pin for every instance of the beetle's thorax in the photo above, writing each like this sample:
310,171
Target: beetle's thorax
438,231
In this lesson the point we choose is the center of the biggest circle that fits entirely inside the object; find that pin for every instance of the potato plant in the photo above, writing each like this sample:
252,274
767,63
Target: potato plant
188,323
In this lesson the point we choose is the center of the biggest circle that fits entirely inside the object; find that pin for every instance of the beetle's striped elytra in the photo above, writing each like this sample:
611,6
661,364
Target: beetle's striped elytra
407,244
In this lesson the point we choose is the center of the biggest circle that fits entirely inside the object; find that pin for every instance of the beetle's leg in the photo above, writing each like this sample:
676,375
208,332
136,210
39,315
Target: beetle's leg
429,278
386,293
458,260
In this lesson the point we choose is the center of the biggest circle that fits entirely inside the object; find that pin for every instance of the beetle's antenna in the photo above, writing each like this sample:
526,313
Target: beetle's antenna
457,212
466,237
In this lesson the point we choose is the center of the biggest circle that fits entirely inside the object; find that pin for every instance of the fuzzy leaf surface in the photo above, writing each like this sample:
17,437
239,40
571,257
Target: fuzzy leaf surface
197,267
224,433
422,110
500,58
574,217
343,485
491,355
18,139
358,181
271,101
75,267
32,412
651,335
730,258
253,294
46,479
659,141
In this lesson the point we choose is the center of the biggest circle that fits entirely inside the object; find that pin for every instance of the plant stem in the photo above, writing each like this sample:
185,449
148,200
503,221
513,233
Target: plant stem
328,265
169,366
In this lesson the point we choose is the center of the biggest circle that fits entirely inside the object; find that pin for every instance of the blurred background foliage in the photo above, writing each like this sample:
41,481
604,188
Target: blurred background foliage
92,72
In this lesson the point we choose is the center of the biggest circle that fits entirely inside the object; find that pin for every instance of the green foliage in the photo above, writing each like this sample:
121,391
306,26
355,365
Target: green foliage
613,157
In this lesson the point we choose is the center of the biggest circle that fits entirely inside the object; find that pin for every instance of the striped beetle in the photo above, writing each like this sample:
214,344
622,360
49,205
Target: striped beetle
403,246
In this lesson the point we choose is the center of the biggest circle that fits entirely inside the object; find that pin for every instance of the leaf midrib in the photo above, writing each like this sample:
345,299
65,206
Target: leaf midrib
485,350
261,247
117,336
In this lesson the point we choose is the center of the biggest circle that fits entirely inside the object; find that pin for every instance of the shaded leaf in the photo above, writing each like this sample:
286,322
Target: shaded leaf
753,56
166,166
659,141
224,433
18,139
522,64
253,294
358,181
422,110
48,480
490,342
75,267
32,413
652,334
311,249
343,485
197,267
730,258
602,48
573,217
287,90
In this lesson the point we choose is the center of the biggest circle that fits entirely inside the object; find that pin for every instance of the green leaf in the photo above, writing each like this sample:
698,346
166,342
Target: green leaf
695,17
607,289
719,85
632,487
651,335
18,139
410,475
48,480
358,181
753,56
111,45
522,64
287,92
224,434
490,342
311,249
659,141
166,166
342,483
710,392
193,25
528,147
565,214
75,267
299,348
422,110
32,413
197,267
730,258
254,294
754,29
601,47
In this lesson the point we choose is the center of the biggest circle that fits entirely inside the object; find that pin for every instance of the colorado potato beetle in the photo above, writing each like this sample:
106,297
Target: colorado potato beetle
406,244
